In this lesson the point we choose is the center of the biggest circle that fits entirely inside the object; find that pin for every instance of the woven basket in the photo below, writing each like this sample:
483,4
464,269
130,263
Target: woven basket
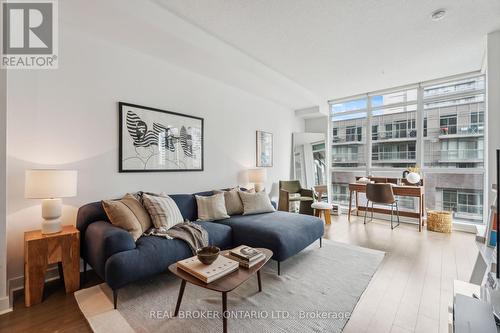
439,221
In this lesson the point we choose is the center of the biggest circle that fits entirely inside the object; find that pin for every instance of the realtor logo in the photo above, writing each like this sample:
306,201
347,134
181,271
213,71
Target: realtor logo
29,39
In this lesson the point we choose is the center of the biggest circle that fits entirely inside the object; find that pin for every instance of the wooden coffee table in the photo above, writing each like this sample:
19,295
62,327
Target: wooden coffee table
224,284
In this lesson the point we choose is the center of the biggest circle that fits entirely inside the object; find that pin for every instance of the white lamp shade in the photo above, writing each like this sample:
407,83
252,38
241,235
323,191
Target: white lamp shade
44,184
257,175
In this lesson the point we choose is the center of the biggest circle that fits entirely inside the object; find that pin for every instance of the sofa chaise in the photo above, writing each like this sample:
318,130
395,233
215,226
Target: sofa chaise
118,260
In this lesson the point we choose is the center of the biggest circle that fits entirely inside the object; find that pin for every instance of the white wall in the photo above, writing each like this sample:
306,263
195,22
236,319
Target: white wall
4,300
493,93
68,118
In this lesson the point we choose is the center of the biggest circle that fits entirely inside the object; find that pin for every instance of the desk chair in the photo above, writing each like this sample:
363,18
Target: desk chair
381,194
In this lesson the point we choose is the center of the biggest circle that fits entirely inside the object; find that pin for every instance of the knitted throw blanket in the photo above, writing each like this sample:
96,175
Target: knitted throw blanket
191,233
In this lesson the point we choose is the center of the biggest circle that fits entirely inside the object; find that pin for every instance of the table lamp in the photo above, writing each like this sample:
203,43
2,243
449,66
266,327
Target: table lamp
51,186
257,177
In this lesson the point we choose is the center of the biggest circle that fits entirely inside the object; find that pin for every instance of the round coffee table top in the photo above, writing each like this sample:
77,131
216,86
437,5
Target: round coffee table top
322,205
228,282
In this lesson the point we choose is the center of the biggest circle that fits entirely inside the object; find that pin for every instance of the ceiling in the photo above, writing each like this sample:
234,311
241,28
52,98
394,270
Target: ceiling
338,48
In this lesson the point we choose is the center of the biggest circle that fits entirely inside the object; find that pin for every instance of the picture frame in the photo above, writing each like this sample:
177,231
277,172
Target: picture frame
264,149
155,140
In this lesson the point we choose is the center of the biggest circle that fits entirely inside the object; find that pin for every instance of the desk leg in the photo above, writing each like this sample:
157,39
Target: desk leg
423,209
357,204
350,205
420,214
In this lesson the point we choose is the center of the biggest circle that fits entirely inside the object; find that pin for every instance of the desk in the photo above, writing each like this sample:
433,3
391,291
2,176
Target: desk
401,190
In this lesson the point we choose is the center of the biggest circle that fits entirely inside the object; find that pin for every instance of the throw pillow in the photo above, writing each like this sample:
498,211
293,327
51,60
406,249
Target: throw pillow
234,206
211,208
256,203
128,213
163,210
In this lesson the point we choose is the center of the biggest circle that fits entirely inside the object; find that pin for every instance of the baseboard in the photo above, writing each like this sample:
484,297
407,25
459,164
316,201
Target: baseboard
5,305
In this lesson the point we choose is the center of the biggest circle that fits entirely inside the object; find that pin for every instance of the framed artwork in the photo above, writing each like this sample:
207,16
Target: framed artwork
152,140
264,149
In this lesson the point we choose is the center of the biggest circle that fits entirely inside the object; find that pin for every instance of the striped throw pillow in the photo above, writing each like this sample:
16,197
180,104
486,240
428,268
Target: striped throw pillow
211,208
163,210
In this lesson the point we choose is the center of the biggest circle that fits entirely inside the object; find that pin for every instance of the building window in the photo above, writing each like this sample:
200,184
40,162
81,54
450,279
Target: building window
463,203
448,124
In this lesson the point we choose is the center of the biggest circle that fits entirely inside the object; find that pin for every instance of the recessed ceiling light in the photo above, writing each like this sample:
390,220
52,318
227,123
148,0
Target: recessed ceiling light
438,14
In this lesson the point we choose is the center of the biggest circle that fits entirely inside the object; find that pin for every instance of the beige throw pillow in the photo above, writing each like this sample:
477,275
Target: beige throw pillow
232,199
163,210
211,208
128,213
256,203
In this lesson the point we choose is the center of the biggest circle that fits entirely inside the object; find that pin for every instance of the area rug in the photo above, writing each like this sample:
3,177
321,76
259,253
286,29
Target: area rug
317,291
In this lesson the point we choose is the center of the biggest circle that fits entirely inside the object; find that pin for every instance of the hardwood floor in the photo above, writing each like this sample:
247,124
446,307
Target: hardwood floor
410,291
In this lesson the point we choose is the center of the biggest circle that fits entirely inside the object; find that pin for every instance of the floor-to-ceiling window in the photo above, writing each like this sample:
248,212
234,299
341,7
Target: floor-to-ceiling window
438,127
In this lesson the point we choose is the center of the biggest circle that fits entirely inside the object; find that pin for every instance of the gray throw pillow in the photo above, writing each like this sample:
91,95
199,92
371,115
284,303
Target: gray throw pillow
256,203
211,208
163,210
232,199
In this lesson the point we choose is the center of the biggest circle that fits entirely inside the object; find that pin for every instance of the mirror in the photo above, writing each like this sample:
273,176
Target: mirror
309,161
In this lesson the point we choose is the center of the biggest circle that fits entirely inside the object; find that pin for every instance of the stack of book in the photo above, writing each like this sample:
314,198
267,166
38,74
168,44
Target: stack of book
247,256
221,267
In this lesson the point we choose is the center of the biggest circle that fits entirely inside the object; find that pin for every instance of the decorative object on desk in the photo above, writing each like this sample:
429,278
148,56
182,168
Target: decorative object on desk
412,175
208,254
159,140
439,221
364,180
50,186
221,267
257,177
264,142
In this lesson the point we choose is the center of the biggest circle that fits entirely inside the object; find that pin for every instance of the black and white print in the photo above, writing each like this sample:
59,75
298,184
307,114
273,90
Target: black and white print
158,140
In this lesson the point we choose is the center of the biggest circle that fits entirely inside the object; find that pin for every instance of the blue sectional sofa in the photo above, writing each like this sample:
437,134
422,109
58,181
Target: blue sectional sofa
118,260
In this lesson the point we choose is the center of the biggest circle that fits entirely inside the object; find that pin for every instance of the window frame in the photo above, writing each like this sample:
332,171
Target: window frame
422,103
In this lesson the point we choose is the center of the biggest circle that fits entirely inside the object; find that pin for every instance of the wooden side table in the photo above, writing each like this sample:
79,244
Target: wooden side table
42,250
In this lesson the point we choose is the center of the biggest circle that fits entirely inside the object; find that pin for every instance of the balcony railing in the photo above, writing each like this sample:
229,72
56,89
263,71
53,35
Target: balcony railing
476,210
457,155
346,157
348,138
394,156
475,129
395,134
340,198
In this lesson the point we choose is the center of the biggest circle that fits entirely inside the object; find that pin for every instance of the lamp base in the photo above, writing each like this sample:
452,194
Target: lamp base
259,187
51,226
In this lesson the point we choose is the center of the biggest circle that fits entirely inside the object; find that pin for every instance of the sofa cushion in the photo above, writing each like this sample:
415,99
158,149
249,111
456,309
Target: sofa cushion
187,204
232,200
256,203
163,210
126,214
211,208
286,234
152,255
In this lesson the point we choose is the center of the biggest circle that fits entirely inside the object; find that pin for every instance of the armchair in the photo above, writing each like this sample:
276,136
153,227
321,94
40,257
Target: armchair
306,197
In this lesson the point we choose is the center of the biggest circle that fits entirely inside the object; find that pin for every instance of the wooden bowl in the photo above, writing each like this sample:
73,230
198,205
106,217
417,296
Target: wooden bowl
208,254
